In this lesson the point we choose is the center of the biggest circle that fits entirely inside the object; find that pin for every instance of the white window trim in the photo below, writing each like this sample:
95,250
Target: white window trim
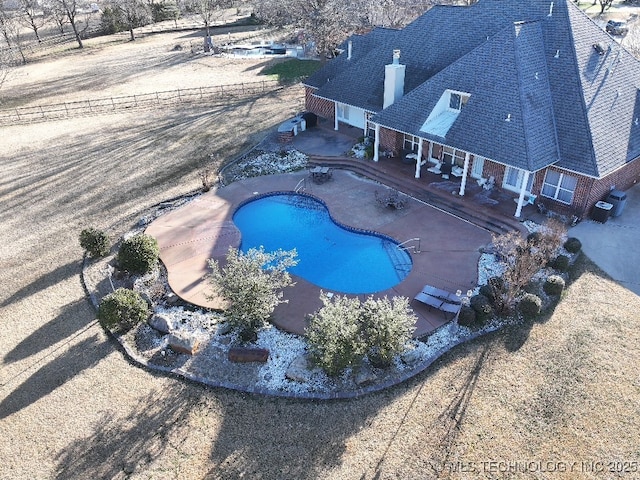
411,139
478,164
557,188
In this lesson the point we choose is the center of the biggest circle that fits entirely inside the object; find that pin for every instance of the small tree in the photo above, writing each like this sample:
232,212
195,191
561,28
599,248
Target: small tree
252,284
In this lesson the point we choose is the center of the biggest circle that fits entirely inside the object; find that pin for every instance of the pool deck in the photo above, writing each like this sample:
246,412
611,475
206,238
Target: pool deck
203,229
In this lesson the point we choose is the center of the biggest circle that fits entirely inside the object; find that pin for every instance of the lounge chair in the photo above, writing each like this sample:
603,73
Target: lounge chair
441,294
457,171
429,300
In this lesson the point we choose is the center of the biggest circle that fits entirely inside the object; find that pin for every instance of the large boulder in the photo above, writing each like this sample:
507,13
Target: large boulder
184,343
163,323
298,370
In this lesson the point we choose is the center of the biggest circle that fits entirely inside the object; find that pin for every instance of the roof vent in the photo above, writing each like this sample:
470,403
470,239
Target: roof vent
635,122
598,47
508,119
550,10
557,55
537,76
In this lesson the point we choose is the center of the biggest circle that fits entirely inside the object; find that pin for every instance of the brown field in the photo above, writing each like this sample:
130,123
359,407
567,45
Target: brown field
550,398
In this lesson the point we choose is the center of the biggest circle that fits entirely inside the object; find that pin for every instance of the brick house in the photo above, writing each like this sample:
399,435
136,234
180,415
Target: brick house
529,95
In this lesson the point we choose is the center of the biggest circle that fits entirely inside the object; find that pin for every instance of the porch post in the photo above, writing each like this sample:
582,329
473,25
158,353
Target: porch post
523,189
376,143
419,159
465,170
335,116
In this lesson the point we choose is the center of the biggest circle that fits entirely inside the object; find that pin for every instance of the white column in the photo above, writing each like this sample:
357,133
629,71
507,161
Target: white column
419,159
430,151
335,115
465,171
376,143
523,190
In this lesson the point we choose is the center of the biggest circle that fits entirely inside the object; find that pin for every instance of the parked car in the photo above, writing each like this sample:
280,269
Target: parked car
617,27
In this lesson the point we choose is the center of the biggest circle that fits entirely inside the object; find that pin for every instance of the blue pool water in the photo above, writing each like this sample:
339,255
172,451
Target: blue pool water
330,256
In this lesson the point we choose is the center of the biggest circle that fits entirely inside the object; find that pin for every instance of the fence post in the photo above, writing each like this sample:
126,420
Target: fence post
135,100
42,111
66,108
179,98
201,93
113,104
17,114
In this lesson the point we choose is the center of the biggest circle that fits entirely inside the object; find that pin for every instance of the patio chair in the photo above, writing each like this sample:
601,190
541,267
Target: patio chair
446,170
490,183
435,169
457,171
429,300
441,294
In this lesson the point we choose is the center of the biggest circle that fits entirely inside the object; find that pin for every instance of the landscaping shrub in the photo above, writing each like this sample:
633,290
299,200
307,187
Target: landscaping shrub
530,305
95,242
573,245
386,328
560,263
139,254
482,307
123,309
252,284
534,238
554,285
334,335
467,316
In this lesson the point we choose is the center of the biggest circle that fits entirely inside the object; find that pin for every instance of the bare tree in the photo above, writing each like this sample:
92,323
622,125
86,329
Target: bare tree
33,15
71,10
208,10
11,32
604,4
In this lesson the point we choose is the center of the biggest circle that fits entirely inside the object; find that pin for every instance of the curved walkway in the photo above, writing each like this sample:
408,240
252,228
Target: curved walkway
202,229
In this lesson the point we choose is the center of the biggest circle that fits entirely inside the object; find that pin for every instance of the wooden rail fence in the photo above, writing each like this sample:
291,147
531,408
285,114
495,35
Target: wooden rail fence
219,93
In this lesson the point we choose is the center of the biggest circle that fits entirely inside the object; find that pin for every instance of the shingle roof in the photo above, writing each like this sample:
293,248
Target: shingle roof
568,104
508,117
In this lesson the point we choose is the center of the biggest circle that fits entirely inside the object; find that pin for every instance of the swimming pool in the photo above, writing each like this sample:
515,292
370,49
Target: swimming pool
330,255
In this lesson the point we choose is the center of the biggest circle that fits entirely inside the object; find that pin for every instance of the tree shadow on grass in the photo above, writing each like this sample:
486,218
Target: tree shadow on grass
66,365
58,275
127,444
73,319
278,438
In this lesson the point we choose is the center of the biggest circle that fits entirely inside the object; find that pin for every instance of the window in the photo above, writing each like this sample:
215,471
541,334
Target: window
410,142
559,186
343,111
457,101
513,180
447,155
369,125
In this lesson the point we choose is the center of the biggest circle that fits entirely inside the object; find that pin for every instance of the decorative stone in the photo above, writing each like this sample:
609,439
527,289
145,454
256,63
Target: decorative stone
182,343
162,323
298,370
246,355
224,328
410,357
365,376
171,298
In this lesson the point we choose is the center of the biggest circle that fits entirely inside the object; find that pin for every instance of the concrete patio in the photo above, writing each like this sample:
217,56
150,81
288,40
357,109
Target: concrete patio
203,229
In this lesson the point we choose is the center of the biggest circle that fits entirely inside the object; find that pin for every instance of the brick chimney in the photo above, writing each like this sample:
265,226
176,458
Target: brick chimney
393,80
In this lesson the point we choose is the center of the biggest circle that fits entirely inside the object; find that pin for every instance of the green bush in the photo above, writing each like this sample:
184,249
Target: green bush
553,285
344,330
123,309
573,245
95,242
560,263
467,316
482,307
139,254
530,305
386,328
334,335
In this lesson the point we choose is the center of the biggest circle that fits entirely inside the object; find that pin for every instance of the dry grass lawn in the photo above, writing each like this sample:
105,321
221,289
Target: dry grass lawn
559,394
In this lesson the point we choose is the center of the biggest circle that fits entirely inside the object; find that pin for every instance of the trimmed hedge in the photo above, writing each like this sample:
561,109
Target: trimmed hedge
95,242
139,254
530,305
482,307
467,316
573,245
123,309
560,263
553,285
